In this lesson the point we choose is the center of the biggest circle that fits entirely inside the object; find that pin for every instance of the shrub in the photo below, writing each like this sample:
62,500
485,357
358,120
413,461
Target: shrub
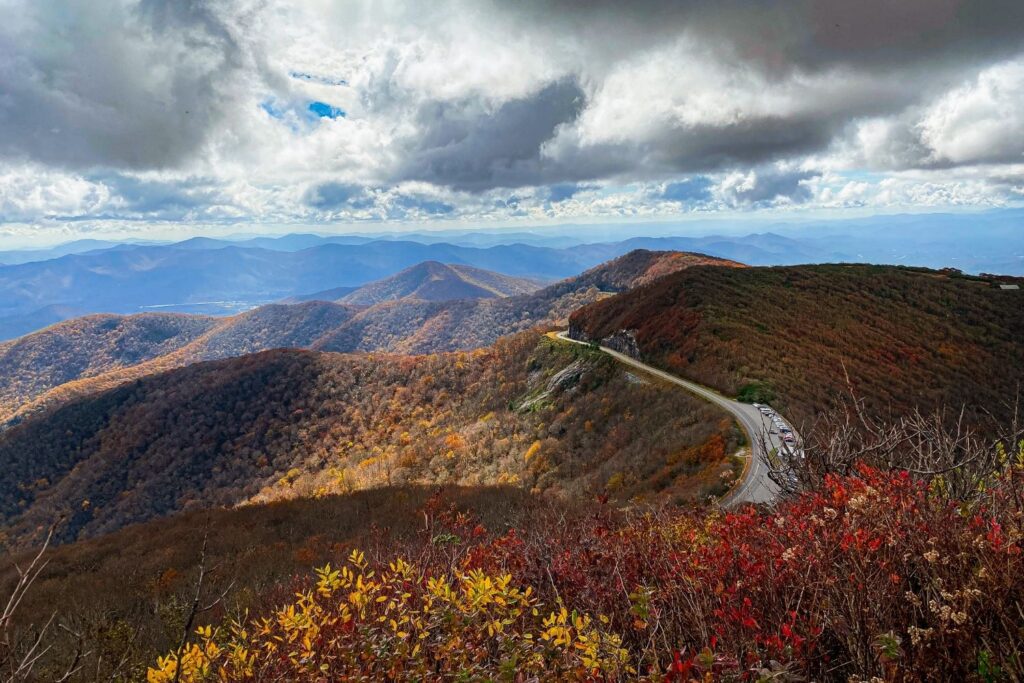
877,573
756,392
401,622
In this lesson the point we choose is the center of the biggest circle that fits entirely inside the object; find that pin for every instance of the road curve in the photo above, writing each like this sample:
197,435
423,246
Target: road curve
755,487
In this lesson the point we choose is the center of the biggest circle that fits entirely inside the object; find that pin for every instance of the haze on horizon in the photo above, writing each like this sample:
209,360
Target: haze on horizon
160,117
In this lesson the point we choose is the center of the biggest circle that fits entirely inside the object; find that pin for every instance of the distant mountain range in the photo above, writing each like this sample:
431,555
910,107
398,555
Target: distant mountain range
232,279
16,256
427,281
198,277
226,276
99,351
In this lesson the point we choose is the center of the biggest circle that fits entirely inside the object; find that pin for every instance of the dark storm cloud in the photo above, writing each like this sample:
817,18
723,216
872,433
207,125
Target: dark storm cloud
674,150
716,147
913,49
466,147
105,84
806,33
872,58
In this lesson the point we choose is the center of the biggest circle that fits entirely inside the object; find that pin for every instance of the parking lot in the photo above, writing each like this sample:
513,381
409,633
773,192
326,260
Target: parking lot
783,441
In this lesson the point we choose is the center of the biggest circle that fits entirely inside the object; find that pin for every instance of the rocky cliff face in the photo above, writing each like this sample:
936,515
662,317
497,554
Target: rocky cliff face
576,332
623,341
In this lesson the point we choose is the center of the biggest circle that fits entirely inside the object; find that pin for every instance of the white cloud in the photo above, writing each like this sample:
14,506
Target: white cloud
974,124
982,121
30,192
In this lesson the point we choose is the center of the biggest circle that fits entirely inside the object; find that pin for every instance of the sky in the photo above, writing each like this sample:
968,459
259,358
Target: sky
149,117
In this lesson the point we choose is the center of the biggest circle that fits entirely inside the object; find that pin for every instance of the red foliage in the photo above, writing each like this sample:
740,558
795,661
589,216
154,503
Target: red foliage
873,574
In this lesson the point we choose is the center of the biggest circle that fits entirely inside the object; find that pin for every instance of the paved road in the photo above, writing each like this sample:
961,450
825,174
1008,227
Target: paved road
756,487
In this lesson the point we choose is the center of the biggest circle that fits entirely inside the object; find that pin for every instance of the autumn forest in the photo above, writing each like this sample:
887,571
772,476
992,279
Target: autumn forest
396,485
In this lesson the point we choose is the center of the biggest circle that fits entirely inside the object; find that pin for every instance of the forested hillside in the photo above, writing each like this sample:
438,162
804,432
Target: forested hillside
51,366
904,338
548,416
89,354
128,591
89,346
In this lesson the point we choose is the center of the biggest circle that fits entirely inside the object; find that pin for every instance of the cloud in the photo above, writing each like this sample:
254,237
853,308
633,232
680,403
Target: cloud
30,194
766,186
697,189
419,204
277,111
980,122
560,192
160,199
463,145
332,195
780,36
127,85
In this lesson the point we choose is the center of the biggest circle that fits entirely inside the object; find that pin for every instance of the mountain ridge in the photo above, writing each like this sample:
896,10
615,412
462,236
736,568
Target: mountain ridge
896,338
408,326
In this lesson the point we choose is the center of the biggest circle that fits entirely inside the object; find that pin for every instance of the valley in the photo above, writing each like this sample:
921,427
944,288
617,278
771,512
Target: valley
289,424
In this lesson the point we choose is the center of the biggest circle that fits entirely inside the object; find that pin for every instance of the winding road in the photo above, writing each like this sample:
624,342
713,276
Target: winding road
755,486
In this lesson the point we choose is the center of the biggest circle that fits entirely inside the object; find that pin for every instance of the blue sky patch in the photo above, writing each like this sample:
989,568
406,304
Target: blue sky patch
325,111
274,111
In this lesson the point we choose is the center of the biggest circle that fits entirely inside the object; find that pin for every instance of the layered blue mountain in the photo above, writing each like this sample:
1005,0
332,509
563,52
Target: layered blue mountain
231,279
226,276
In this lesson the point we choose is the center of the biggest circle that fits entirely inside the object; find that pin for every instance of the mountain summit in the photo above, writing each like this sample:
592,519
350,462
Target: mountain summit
435,281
